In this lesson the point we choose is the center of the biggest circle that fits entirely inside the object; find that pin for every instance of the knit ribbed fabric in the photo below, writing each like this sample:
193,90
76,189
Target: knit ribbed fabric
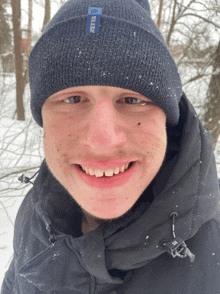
127,52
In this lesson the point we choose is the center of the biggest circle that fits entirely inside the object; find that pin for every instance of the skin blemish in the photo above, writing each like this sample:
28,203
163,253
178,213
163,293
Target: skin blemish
59,148
139,124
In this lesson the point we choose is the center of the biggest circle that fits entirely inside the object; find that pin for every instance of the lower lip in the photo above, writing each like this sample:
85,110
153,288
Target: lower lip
106,182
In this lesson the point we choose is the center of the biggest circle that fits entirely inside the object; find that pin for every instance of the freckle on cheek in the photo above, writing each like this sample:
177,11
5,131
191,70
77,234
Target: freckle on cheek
59,148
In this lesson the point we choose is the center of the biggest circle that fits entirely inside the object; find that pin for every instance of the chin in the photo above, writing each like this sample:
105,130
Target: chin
110,212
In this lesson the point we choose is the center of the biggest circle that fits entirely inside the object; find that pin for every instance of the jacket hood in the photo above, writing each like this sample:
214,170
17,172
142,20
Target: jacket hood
187,184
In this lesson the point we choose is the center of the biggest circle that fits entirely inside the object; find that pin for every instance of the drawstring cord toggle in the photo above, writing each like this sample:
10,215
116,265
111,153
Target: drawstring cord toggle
26,180
177,247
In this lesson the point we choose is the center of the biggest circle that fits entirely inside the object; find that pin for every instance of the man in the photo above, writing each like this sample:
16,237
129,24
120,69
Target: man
126,199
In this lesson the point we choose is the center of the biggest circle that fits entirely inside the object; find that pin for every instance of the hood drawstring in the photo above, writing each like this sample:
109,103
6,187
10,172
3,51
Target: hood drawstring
26,180
177,247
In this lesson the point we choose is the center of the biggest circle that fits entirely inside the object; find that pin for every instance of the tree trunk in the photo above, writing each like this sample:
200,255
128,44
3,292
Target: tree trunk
46,14
29,38
159,14
212,106
16,17
173,22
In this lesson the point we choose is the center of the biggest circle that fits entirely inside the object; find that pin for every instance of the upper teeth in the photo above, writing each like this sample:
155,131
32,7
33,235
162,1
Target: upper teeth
107,173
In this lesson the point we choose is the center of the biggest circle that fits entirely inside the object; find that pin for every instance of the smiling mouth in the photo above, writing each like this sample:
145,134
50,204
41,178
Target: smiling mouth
105,173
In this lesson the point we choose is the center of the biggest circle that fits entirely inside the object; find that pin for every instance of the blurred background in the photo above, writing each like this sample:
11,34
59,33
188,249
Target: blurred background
192,31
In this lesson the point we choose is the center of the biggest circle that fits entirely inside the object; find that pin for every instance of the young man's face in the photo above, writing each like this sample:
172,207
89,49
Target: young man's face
102,130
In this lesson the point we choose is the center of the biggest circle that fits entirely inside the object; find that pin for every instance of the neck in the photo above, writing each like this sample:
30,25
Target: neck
90,222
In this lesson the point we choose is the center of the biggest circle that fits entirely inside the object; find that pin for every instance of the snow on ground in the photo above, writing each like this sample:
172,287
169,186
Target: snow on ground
21,149
14,160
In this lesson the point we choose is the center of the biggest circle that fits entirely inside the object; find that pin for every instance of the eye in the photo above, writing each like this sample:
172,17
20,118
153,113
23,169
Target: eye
73,99
132,100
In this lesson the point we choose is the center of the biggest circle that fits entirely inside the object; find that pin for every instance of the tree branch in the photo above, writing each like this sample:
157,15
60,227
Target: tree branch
19,172
201,17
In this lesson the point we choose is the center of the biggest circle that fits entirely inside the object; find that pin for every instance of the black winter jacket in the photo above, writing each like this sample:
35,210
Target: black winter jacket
133,253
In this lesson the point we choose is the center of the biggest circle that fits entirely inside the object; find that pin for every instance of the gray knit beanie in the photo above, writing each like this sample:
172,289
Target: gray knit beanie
108,43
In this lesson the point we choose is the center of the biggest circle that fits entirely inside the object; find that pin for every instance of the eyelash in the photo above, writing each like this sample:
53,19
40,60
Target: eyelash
140,101
67,100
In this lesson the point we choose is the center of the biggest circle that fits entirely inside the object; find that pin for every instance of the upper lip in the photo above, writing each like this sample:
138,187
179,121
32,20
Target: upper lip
103,164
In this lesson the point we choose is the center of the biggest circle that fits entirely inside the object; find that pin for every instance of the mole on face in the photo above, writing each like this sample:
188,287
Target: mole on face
139,124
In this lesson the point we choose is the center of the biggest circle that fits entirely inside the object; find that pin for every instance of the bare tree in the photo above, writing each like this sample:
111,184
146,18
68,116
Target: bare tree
29,39
160,13
20,78
47,12
187,26
212,105
5,31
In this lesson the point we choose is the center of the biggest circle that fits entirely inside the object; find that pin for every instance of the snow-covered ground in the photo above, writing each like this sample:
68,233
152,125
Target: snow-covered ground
21,150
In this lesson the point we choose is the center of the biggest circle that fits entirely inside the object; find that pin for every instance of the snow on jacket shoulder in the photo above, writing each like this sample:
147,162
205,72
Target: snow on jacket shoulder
135,253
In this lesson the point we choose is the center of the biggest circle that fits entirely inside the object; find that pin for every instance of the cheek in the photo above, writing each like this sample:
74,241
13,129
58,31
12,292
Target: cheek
60,144
151,136
55,143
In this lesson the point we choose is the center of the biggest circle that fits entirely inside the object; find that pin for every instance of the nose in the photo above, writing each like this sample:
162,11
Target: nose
103,129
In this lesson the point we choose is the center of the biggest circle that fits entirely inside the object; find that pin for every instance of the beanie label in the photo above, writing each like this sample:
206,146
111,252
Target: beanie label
93,20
